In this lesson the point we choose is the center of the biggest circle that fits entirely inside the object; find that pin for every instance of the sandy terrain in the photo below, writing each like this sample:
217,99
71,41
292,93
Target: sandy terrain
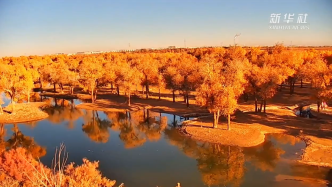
24,112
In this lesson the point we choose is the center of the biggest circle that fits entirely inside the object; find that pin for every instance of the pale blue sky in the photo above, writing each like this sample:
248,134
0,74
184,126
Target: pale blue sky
29,27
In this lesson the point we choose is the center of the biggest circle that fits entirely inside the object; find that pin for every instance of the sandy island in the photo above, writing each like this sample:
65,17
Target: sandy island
24,112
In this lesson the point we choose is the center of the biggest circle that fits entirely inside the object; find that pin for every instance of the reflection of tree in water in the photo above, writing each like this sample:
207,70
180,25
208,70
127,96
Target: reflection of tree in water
151,127
95,128
63,111
174,122
116,119
286,139
130,135
217,164
137,127
18,139
264,156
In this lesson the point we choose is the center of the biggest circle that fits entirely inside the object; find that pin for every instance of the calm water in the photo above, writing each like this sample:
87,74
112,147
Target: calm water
143,149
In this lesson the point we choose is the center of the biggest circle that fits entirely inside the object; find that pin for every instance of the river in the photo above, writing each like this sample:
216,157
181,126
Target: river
144,149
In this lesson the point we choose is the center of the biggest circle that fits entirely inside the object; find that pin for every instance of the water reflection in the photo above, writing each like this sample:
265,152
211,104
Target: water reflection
18,139
265,156
61,110
218,165
138,127
94,127
221,165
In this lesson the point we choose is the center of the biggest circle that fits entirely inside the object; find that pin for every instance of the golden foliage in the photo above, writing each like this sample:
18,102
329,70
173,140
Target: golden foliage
219,75
19,167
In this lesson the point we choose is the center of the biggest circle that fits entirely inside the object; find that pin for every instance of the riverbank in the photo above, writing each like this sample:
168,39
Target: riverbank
115,103
318,152
24,112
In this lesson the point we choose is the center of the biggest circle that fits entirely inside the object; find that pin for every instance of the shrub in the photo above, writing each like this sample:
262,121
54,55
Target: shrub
19,168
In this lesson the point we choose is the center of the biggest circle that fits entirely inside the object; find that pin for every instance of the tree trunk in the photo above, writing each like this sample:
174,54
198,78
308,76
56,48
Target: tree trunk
96,91
301,83
92,98
318,106
229,122
70,90
256,109
264,105
187,100
61,88
41,85
260,108
28,96
54,87
217,120
143,90
118,90
184,98
174,124
129,98
147,87
111,85
292,86
173,96
13,107
55,102
214,119
159,93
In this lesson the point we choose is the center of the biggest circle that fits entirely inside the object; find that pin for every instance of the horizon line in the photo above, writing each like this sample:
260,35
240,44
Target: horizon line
163,48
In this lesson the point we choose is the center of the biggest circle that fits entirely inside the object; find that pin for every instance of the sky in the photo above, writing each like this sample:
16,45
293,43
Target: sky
38,27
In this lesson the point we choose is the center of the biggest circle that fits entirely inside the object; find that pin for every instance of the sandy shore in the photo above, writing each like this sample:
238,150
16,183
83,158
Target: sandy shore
24,112
239,135
318,152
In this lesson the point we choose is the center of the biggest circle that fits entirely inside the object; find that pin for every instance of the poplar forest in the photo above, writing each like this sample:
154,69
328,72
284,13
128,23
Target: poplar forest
211,88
